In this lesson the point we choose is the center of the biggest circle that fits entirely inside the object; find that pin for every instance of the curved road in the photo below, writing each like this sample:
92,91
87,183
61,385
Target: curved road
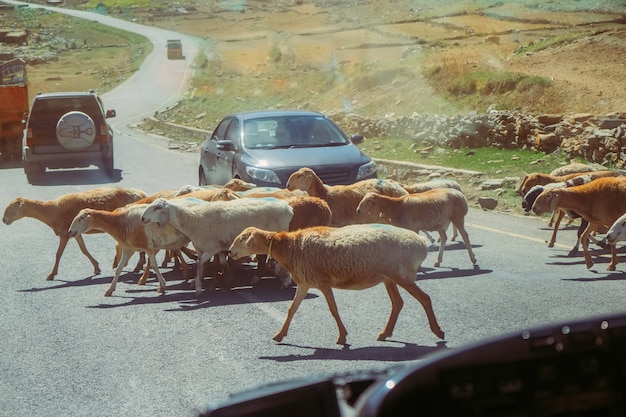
65,349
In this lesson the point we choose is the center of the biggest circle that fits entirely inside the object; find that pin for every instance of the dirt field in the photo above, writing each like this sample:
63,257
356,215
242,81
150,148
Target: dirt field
586,74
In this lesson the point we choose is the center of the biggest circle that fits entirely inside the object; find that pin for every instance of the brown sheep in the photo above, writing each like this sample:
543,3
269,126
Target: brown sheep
353,257
432,210
59,213
125,226
342,199
600,202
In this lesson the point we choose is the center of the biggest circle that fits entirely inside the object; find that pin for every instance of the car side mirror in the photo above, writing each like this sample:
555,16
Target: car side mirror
357,139
226,145
110,113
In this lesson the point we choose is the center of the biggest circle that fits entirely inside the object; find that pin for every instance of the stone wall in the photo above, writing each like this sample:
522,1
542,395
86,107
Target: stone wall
598,139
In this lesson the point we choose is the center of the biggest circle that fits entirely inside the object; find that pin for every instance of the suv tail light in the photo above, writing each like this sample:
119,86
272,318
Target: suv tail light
29,136
104,133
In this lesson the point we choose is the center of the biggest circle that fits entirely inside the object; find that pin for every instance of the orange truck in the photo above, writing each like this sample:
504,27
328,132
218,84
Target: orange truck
13,108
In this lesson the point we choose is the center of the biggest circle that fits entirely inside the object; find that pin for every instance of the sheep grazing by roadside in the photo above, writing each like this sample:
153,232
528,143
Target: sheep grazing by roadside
353,257
600,202
59,213
342,199
211,227
131,235
432,210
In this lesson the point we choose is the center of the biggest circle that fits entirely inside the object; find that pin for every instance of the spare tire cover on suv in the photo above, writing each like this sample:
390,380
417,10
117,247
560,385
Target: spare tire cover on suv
76,131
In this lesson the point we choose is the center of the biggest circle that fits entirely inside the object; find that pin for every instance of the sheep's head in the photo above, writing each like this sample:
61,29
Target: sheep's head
301,179
617,232
250,241
368,208
546,202
225,194
80,224
237,184
156,212
13,211
530,197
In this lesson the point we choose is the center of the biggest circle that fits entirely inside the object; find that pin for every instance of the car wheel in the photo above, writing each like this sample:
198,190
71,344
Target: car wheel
76,131
201,178
107,166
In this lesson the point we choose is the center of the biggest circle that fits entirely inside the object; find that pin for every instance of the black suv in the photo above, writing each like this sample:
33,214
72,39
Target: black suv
67,130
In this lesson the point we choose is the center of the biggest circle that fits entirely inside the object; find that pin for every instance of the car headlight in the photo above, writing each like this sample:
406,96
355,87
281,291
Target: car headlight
266,175
366,170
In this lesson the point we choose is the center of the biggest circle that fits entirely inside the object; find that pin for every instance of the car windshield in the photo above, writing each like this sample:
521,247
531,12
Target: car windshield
292,131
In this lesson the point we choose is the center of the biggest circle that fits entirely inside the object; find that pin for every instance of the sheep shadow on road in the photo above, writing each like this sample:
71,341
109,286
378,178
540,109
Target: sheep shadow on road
404,351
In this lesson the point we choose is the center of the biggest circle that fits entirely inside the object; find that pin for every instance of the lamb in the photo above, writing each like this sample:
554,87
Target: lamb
59,213
600,202
420,187
131,235
211,227
352,257
431,210
342,199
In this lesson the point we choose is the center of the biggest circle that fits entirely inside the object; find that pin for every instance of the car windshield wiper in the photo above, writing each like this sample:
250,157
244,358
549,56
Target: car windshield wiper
310,145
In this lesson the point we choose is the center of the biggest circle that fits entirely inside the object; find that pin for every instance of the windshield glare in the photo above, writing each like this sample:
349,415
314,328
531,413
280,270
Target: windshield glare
291,131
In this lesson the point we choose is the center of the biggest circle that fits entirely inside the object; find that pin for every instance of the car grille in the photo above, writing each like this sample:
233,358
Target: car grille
335,177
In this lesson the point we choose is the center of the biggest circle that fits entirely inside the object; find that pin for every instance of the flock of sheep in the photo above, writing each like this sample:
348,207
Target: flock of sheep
320,236
595,196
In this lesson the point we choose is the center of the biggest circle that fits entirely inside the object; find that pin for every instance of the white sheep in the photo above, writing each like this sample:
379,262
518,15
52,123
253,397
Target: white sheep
211,227
353,257
131,235
432,210
342,199
59,213
617,231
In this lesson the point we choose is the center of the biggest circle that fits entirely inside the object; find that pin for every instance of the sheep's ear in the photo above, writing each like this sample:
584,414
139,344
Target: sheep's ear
554,201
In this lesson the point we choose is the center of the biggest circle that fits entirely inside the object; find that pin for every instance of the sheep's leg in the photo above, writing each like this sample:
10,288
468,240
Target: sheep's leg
466,240
141,262
551,219
432,240
332,306
153,262
126,254
146,274
60,249
556,227
455,233
423,298
202,259
583,225
83,249
396,307
614,261
442,246
301,292
584,241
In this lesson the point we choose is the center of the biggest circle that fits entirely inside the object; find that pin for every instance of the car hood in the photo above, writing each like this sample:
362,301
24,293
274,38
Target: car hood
314,156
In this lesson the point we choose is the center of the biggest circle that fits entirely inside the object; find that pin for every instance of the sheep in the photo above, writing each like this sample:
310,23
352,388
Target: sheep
235,184
431,210
599,202
59,213
307,212
420,187
342,199
533,193
211,227
352,257
125,226
538,178
617,231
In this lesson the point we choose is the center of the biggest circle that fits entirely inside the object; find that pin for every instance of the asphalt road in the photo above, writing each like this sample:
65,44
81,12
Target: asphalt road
66,349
